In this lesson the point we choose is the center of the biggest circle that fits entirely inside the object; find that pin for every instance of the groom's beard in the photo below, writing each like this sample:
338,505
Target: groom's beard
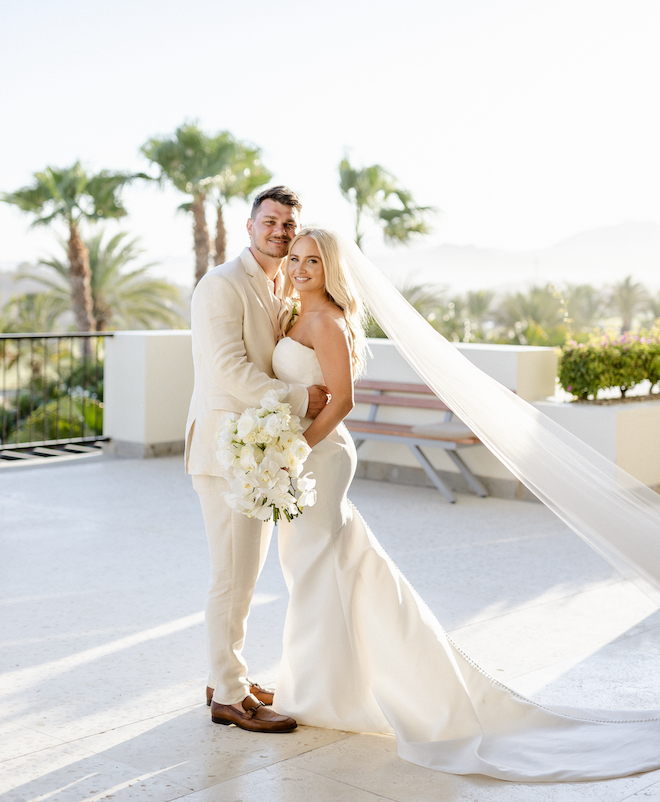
276,250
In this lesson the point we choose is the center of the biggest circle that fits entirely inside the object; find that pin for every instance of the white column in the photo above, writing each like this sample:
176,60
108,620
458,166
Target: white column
148,381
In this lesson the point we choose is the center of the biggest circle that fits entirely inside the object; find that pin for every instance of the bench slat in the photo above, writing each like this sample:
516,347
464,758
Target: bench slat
400,401
368,384
402,430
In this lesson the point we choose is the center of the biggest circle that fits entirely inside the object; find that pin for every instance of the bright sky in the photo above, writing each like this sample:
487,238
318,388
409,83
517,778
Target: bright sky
524,121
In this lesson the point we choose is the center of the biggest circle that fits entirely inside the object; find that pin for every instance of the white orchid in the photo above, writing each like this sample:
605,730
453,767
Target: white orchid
306,485
248,457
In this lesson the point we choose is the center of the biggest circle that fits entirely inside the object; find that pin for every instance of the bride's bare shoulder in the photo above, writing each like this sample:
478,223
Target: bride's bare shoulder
328,321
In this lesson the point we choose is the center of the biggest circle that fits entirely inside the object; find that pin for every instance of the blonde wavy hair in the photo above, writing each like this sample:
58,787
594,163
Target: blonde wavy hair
340,289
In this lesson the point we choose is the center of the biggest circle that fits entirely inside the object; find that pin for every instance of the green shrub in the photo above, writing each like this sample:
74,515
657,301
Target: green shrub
604,362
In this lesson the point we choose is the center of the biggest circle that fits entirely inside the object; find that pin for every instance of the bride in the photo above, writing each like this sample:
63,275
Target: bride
361,651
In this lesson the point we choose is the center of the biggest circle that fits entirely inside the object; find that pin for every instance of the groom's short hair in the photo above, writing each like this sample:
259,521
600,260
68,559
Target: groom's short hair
281,194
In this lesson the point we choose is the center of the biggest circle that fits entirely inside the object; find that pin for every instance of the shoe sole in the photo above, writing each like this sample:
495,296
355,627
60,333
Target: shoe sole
222,721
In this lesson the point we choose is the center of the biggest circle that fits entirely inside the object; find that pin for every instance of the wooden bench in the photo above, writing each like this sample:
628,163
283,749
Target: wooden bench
448,434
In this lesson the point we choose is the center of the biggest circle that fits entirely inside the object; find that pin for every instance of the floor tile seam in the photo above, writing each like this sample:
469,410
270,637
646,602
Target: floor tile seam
137,721
117,764
349,785
537,605
304,752
75,741
334,779
639,791
46,749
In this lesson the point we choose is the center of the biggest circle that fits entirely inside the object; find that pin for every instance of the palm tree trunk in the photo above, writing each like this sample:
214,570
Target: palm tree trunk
220,238
358,233
80,276
201,235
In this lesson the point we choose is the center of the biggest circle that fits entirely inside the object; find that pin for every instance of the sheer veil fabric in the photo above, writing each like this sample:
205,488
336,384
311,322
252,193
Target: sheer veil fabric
612,511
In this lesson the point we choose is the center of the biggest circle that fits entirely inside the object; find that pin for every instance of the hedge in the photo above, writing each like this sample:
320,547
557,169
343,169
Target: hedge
606,361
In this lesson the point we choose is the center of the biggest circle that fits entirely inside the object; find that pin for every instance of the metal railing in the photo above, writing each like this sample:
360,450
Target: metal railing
51,388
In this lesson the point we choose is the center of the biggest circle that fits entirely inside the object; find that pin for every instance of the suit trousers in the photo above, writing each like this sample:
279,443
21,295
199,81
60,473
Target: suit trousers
237,546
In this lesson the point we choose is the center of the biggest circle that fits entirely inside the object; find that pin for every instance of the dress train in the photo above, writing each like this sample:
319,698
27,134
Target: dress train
362,652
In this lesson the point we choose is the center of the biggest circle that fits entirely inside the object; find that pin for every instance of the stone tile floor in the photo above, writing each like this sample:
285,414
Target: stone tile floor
103,576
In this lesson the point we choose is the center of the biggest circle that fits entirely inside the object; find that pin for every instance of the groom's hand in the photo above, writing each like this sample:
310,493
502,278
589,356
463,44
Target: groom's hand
318,398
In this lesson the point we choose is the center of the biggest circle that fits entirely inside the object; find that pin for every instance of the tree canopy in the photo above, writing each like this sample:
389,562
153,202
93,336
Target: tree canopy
376,193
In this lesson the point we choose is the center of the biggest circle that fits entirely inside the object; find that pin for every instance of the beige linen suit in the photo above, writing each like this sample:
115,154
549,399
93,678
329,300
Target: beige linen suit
234,331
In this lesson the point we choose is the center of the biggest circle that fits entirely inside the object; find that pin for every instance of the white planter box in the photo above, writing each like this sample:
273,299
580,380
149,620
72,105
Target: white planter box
626,433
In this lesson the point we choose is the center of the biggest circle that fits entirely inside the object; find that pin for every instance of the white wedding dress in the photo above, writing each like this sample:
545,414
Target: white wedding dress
363,653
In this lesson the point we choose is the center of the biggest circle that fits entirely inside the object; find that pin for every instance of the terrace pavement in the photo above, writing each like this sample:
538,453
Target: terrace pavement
104,569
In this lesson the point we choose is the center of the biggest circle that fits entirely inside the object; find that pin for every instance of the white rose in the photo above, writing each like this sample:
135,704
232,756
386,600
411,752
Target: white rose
287,438
225,458
228,422
301,449
271,401
275,424
247,423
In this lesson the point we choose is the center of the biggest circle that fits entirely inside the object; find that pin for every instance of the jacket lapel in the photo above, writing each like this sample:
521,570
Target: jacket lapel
259,283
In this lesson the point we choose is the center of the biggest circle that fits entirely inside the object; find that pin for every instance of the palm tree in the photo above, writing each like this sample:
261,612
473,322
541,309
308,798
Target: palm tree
72,195
427,299
121,299
654,306
626,299
534,318
200,165
478,305
375,192
242,175
585,305
34,312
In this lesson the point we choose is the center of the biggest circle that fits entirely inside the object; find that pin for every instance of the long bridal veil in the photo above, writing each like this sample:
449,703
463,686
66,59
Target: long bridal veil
612,511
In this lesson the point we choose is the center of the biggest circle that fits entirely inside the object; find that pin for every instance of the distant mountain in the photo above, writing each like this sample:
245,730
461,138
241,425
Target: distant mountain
9,286
597,257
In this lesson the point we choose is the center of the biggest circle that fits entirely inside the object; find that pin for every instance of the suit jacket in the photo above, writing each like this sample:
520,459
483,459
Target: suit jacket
234,331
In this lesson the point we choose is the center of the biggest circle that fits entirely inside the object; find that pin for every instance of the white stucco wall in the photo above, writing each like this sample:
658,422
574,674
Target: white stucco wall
148,383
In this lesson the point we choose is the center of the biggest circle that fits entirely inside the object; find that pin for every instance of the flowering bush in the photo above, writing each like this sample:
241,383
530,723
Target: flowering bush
606,361
261,453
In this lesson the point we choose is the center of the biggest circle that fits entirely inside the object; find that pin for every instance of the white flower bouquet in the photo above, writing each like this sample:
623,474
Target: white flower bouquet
262,453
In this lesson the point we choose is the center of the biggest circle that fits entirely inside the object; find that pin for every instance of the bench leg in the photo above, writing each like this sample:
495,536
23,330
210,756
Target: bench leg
431,473
472,480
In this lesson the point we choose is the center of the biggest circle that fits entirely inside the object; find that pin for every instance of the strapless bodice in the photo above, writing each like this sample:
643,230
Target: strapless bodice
295,363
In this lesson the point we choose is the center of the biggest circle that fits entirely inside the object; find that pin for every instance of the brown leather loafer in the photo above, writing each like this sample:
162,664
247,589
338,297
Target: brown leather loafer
254,718
262,694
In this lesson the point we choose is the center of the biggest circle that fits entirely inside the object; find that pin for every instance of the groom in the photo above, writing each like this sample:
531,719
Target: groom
234,330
